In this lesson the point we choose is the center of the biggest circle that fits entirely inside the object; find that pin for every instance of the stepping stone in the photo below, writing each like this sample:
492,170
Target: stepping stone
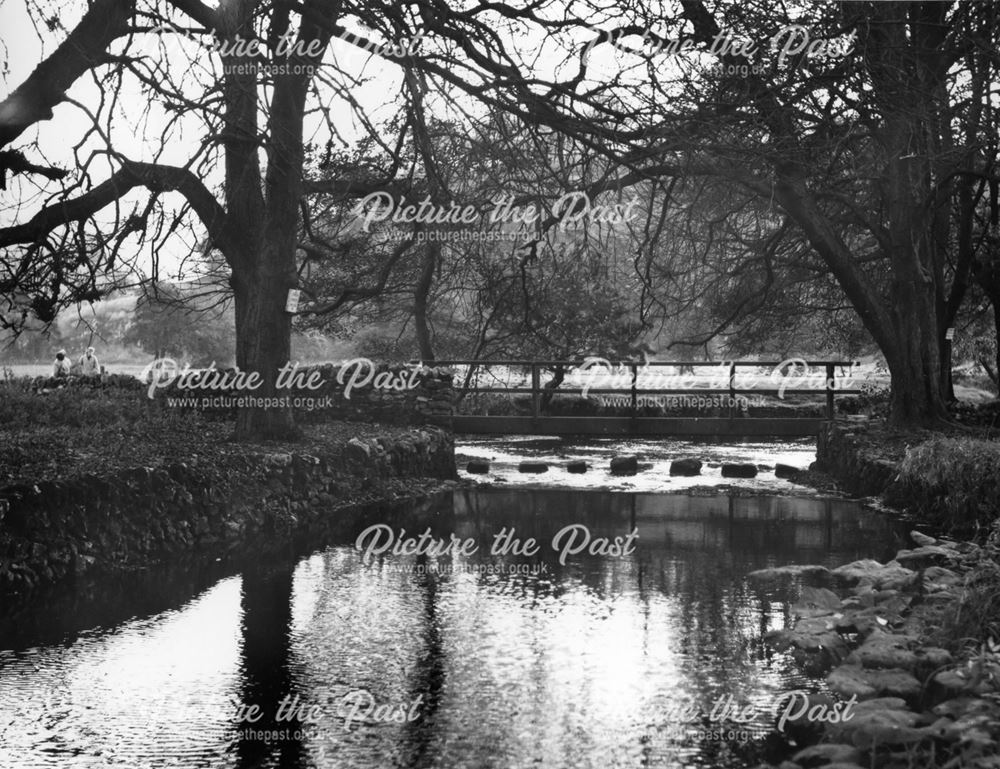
739,471
688,467
625,465
577,466
533,467
478,467
785,471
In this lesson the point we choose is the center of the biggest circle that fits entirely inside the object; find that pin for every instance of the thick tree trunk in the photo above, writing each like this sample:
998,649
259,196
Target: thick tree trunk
915,358
263,345
917,398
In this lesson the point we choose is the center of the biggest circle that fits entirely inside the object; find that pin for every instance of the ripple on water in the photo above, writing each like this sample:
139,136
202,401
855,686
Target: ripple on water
582,664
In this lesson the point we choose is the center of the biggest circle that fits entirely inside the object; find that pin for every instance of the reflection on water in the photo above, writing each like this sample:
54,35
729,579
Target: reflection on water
320,660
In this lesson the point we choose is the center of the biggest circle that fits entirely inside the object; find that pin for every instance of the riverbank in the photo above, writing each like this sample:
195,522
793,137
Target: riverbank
947,479
210,501
97,476
911,646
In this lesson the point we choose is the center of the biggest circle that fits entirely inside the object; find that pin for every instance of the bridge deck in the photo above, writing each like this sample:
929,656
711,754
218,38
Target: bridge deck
627,377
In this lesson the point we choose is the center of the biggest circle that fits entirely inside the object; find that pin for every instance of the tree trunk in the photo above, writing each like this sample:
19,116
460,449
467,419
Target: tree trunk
550,387
263,345
916,398
915,357
421,297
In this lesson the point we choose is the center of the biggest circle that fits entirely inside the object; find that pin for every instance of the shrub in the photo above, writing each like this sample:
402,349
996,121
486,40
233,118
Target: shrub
952,481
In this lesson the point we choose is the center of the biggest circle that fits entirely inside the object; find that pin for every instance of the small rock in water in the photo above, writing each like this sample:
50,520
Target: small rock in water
478,467
731,470
625,465
577,466
533,467
785,471
688,466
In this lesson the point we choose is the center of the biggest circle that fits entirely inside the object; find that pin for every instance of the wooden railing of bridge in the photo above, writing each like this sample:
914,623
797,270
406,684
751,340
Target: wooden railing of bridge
735,423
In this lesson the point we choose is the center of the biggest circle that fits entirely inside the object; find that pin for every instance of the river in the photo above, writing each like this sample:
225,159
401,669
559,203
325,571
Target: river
314,655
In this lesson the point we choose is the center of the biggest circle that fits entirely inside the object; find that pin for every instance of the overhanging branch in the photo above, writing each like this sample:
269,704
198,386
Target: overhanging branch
156,178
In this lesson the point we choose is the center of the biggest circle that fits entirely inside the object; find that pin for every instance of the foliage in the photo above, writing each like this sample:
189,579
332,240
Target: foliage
176,322
956,481
23,406
46,432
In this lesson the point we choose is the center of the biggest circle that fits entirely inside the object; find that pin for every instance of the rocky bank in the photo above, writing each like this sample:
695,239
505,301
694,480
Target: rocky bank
877,633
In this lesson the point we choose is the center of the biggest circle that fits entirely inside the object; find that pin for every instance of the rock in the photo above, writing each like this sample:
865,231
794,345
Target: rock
949,684
792,715
856,681
842,765
734,470
893,727
887,715
927,555
815,602
963,705
922,540
960,729
577,466
785,471
625,465
891,576
358,449
931,658
805,572
937,579
533,467
822,755
813,642
478,467
688,466
885,650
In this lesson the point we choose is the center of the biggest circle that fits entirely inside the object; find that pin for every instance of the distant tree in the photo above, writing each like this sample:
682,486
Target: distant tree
169,324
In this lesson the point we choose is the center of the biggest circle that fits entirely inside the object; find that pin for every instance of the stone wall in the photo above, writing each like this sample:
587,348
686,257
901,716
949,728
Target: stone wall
51,530
842,450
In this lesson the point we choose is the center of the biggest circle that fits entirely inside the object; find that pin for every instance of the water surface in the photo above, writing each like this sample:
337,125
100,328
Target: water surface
478,661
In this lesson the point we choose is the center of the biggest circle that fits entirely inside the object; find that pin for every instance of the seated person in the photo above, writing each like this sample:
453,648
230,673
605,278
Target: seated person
61,365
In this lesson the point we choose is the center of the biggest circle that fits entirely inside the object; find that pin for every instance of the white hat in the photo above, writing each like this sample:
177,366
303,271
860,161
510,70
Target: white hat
90,350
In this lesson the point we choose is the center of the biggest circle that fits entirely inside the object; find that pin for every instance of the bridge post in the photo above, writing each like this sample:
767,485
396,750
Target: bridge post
635,399
830,374
536,403
732,388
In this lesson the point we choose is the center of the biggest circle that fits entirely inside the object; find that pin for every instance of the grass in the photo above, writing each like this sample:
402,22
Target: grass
955,481
54,433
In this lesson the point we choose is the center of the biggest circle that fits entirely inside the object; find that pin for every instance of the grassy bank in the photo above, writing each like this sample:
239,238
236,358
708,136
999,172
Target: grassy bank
52,433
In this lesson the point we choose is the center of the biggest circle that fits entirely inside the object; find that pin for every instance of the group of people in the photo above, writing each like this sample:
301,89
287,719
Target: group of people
89,367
